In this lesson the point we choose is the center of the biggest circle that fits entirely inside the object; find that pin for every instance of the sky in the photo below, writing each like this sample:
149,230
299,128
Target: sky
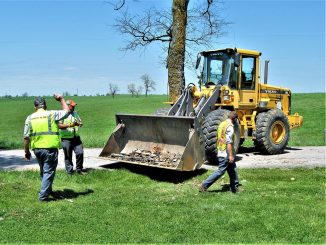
72,46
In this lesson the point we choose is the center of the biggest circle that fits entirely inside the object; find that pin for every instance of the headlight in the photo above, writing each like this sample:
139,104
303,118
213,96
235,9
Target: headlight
226,97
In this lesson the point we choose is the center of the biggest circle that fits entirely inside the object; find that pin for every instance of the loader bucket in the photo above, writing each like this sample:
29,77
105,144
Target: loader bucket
157,141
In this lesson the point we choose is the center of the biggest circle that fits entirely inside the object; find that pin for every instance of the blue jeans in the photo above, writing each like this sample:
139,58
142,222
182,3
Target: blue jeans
48,161
224,166
69,146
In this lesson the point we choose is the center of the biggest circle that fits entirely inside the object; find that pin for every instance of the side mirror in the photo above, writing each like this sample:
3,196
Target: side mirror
237,60
198,60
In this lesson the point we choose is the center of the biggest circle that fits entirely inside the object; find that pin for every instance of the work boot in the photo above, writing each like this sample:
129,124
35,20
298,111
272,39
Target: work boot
70,173
202,188
46,199
81,172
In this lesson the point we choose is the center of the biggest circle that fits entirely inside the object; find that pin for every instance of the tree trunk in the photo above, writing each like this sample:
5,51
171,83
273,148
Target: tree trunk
176,58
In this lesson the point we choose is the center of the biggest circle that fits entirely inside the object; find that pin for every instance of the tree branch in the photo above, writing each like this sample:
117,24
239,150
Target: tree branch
143,30
118,5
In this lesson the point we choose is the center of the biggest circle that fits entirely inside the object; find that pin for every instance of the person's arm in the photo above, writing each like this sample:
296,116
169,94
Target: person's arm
60,114
26,139
26,149
64,105
229,143
61,125
79,121
229,149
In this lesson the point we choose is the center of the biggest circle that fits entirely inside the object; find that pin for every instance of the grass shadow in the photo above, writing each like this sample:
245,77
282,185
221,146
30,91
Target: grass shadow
70,194
225,188
158,174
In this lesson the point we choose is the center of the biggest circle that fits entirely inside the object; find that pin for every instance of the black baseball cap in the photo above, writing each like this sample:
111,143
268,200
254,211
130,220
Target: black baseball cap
39,101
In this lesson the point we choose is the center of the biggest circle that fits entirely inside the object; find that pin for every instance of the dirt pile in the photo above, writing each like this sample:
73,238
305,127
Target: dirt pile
155,158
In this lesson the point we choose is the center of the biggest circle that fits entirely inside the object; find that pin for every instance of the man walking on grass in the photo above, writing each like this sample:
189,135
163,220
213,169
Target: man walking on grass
226,155
41,134
70,139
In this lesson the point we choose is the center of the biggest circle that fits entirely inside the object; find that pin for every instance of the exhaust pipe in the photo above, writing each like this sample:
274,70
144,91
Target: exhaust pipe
266,71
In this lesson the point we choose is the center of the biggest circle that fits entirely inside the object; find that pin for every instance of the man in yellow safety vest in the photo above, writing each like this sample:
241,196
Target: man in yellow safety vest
70,139
41,134
226,155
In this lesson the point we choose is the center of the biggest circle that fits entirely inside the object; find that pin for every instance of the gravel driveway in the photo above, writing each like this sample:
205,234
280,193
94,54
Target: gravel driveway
293,157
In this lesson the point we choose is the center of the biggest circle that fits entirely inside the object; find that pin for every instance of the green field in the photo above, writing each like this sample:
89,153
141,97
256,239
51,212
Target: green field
99,120
135,204
140,205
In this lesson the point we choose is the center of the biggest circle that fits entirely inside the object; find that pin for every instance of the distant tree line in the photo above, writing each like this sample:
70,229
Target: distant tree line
134,89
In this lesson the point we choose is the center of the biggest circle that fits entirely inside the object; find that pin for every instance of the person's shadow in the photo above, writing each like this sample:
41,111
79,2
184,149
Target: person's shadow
70,194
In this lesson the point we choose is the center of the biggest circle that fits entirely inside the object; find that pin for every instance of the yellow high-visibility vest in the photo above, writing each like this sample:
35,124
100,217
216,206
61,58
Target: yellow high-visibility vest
221,135
70,132
43,130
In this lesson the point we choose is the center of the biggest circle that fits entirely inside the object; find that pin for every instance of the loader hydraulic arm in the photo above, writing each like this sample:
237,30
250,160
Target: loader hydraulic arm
184,105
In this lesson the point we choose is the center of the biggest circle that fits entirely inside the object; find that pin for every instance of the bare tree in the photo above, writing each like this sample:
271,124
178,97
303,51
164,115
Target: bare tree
149,84
139,91
113,89
177,30
133,90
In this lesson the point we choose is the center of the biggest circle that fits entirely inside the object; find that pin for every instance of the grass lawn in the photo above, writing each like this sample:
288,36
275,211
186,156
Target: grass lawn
99,120
137,205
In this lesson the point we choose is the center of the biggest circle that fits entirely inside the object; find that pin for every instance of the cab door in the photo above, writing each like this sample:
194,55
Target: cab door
247,84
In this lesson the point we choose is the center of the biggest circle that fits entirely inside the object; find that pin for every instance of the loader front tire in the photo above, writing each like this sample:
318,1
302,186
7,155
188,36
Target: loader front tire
272,132
209,127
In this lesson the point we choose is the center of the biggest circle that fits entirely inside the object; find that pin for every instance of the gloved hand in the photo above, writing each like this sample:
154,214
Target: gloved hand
58,97
77,123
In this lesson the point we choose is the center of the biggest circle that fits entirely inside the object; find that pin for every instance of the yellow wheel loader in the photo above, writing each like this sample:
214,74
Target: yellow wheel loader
185,137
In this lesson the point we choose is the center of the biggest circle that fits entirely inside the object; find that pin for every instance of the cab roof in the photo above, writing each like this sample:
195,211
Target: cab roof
234,50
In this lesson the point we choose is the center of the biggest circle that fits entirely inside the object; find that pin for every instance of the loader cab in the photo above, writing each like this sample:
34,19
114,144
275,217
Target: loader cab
248,78
220,67
235,68
217,68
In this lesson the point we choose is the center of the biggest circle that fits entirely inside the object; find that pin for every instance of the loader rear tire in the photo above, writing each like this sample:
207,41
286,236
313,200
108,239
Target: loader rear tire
272,132
209,127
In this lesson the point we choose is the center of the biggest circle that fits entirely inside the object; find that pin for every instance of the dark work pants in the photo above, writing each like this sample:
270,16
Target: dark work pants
48,161
69,146
224,166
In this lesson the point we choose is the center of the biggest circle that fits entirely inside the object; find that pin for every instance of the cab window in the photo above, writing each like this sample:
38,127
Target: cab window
233,83
248,73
